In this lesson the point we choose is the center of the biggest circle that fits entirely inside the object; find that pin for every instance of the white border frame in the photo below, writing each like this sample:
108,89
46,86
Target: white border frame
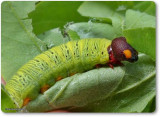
157,111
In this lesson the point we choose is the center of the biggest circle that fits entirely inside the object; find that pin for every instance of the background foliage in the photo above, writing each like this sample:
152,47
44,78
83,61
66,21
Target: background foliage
29,28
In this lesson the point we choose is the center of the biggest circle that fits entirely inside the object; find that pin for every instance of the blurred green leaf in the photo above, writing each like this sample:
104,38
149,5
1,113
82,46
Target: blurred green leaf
93,30
140,33
148,7
136,19
110,11
79,90
143,40
114,11
53,38
136,90
7,105
19,44
53,14
104,9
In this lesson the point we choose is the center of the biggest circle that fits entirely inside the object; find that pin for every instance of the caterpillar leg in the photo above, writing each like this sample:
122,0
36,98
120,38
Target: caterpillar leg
26,101
98,65
59,78
110,65
113,61
44,88
72,74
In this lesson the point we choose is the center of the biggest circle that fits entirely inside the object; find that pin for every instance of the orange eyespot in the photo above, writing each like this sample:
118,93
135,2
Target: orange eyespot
127,54
26,101
44,88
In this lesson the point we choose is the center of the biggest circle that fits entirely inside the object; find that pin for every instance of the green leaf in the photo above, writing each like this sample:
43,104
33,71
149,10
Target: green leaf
104,9
140,32
73,35
7,105
148,7
114,12
79,90
53,14
143,40
19,44
136,90
53,38
109,11
136,19
134,77
93,30
150,106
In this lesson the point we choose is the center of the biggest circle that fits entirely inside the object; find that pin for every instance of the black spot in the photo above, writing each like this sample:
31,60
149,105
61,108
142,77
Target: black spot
68,51
56,57
24,79
87,54
66,56
76,44
42,64
102,53
52,52
95,47
74,53
37,60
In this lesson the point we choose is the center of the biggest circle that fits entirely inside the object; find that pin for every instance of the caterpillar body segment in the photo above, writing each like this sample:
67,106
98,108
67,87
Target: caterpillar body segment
61,61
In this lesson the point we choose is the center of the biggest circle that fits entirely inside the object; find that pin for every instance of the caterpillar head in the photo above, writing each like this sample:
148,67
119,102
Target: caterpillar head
120,50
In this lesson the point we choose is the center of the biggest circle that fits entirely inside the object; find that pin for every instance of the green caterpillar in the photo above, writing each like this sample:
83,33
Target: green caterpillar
65,60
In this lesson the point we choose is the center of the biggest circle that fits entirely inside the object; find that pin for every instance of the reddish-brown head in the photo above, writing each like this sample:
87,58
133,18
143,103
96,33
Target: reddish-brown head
120,50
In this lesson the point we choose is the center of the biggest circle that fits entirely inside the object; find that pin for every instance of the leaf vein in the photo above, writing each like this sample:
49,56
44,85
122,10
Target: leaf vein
23,26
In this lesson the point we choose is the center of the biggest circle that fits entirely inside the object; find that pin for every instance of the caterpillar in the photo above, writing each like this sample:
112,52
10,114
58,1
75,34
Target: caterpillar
78,56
